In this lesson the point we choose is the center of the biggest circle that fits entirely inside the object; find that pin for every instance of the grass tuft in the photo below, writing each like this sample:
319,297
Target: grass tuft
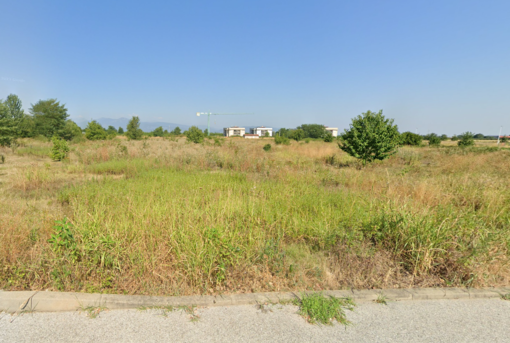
317,308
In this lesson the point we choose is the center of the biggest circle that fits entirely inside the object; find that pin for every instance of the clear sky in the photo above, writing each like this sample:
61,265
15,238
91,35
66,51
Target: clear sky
434,66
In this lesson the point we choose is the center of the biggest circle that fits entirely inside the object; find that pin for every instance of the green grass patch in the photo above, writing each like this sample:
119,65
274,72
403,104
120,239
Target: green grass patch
38,151
317,308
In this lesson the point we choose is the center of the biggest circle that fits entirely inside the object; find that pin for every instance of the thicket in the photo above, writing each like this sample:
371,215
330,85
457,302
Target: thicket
409,138
466,139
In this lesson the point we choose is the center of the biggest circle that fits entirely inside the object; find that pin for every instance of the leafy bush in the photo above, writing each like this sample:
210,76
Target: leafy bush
71,130
455,138
313,130
466,139
297,135
307,140
60,149
121,131
328,138
95,131
434,140
267,147
370,137
133,129
409,138
195,135
281,140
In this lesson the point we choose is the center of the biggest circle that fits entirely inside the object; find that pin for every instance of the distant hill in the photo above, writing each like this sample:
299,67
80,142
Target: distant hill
145,126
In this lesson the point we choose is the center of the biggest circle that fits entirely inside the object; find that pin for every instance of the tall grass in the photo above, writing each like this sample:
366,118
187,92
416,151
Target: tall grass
164,217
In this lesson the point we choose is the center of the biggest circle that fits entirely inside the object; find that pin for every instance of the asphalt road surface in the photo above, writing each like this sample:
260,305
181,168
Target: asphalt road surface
485,320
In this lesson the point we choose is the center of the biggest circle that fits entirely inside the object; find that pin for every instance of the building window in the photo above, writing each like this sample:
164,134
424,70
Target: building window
237,132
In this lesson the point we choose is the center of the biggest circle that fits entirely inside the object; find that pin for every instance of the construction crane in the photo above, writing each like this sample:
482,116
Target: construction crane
209,114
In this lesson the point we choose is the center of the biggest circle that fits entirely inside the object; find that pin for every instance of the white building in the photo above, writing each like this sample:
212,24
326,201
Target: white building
261,131
234,131
332,130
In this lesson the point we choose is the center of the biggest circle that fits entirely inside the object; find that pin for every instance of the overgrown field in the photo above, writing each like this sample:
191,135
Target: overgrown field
163,216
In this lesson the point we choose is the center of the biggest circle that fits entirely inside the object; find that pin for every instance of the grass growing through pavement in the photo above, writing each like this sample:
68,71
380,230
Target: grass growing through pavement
317,308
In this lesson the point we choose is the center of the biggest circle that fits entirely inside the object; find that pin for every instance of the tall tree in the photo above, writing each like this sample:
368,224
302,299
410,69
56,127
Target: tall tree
7,128
15,107
313,130
49,116
133,129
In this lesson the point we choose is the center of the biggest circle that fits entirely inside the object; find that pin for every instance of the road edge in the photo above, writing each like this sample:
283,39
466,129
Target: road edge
45,301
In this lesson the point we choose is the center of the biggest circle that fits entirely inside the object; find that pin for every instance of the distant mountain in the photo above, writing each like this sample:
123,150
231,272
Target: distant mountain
145,126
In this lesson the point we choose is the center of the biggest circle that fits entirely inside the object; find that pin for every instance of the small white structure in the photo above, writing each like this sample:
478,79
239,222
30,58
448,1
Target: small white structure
332,130
251,136
261,131
234,131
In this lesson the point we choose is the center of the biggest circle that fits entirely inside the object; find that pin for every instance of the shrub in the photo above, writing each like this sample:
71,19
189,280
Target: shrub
267,147
328,138
313,130
71,130
195,135
121,131
133,129
281,140
2,159
455,138
466,139
59,150
307,140
95,131
409,138
434,140
297,135
370,137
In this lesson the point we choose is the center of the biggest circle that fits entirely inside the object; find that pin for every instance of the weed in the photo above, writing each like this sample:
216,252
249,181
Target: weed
505,296
317,308
2,159
267,147
381,299
93,311
191,310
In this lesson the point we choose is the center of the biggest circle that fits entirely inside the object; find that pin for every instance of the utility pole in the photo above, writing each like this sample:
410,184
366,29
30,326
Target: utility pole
209,114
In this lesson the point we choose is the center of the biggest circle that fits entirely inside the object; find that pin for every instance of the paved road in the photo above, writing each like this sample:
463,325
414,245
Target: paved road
407,321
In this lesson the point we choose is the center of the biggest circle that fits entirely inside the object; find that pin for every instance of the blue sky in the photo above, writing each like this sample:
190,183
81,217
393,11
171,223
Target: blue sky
433,66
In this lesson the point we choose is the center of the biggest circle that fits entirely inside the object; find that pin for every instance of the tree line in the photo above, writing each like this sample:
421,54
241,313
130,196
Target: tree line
50,118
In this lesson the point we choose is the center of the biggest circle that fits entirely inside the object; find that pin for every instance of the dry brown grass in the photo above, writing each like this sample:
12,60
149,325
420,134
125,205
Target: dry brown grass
472,186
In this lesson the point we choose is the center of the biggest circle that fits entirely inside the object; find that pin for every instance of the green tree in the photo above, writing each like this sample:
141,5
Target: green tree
49,116
328,137
121,130
111,131
409,138
455,138
281,140
370,137
195,135
71,130
158,132
466,139
7,128
434,140
177,131
313,130
94,131
283,132
297,135
443,138
133,129
479,136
